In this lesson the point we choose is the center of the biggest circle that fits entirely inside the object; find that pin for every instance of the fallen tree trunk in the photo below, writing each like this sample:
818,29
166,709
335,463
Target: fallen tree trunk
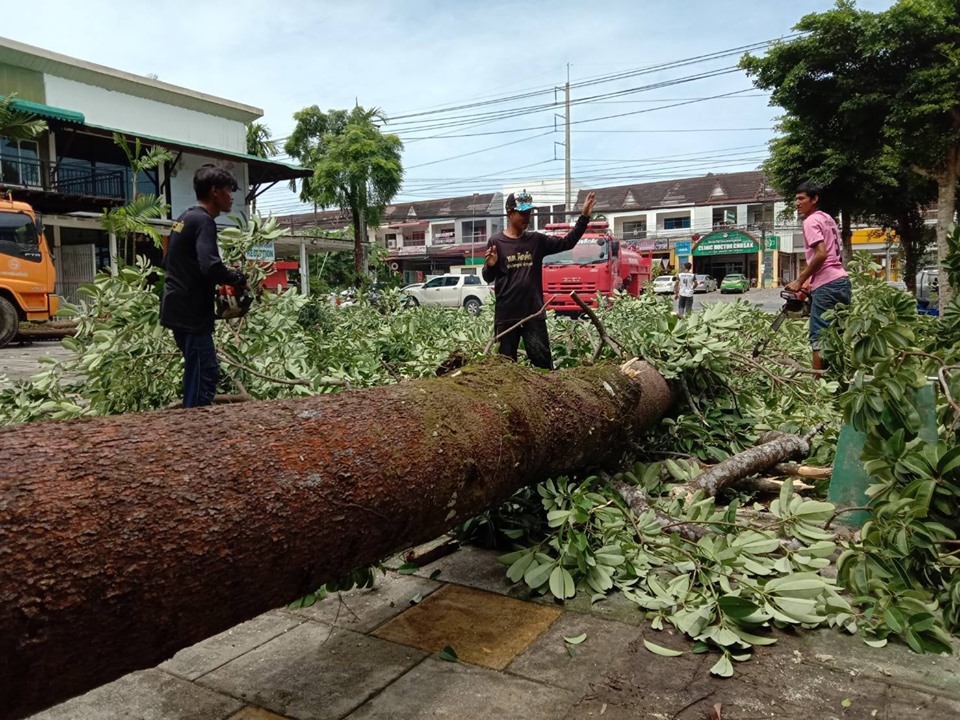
125,539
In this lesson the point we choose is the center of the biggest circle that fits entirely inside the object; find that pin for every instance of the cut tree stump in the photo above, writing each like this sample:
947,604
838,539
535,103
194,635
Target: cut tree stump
124,539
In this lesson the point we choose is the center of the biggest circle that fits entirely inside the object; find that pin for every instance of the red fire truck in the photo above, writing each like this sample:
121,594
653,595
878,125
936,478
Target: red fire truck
596,264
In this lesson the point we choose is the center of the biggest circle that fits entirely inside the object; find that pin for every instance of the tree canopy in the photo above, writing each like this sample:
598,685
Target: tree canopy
356,167
871,112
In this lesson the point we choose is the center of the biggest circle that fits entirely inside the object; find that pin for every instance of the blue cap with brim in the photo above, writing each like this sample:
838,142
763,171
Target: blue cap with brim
521,202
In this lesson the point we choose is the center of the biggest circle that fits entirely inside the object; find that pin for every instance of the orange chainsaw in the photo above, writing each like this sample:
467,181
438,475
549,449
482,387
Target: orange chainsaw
796,304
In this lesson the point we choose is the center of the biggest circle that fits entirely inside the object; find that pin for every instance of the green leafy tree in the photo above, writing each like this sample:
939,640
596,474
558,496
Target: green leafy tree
356,167
18,124
832,130
872,113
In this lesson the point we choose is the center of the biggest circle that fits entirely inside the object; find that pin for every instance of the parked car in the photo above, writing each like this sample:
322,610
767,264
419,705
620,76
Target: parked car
705,284
734,282
928,286
664,284
466,291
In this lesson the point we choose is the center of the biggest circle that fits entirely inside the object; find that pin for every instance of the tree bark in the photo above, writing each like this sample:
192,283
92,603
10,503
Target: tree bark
779,448
946,208
846,238
124,539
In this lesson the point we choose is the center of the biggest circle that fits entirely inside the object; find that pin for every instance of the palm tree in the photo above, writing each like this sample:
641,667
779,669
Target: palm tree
18,124
260,141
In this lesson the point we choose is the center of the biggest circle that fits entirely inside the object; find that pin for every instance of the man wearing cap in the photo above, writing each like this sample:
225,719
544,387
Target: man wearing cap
514,264
193,270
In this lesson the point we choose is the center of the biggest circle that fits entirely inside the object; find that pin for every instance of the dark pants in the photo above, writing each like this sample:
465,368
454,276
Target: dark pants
684,305
201,371
824,298
535,341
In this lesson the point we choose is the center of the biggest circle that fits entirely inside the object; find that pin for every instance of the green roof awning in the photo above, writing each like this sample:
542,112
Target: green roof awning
47,111
262,170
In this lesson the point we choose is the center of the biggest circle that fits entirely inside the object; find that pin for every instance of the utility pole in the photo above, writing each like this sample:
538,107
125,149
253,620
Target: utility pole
566,146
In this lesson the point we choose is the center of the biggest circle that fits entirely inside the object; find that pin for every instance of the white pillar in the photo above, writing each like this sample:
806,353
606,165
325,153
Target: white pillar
304,270
113,255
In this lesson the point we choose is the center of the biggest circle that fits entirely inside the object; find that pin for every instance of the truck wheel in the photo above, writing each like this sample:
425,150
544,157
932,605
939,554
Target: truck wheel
472,305
9,322
411,301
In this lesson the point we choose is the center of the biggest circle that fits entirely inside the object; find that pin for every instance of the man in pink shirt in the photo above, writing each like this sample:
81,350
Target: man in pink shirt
824,275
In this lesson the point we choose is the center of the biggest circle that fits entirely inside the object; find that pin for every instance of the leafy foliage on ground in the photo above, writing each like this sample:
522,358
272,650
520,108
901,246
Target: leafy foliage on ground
755,568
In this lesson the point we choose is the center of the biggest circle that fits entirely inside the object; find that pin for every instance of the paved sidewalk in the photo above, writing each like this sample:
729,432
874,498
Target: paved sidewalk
22,361
370,654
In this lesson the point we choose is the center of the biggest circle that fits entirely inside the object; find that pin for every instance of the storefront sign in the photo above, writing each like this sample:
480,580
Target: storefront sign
265,253
415,250
682,247
661,244
729,242
771,242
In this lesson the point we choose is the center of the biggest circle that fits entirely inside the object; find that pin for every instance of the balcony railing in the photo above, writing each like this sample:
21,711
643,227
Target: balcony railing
75,179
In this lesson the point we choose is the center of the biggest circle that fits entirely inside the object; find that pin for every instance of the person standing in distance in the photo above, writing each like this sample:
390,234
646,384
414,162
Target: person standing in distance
194,268
828,282
514,264
683,290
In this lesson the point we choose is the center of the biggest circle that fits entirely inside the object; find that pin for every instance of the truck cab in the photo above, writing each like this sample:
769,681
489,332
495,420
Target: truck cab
597,264
27,275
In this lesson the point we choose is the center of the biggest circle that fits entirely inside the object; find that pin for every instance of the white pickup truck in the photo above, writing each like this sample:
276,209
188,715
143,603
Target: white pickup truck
466,291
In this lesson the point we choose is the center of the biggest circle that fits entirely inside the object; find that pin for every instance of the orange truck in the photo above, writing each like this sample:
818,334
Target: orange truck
27,276
596,265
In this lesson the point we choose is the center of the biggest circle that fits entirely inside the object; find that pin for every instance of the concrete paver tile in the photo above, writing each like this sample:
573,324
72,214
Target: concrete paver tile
145,695
547,660
199,659
482,627
313,672
364,609
438,689
475,567
894,663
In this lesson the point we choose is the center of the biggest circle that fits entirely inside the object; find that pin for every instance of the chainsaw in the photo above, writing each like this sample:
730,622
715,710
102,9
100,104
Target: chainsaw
231,302
796,304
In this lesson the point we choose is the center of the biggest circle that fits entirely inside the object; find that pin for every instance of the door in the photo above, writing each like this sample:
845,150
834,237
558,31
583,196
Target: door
76,266
431,291
450,291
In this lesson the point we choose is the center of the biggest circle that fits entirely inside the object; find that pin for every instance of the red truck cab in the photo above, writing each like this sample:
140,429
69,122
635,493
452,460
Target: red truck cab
596,264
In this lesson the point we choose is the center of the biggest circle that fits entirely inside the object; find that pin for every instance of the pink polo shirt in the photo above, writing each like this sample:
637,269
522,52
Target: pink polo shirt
818,227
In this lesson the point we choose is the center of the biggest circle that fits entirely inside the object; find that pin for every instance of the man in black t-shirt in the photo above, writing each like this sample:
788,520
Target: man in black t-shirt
514,263
194,268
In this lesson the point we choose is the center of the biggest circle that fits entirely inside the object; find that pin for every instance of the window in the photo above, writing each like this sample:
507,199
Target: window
677,223
444,236
451,281
471,280
435,283
474,231
20,162
18,237
415,239
636,230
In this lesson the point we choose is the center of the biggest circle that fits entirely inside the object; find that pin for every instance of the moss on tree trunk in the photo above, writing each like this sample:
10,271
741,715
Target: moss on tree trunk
124,539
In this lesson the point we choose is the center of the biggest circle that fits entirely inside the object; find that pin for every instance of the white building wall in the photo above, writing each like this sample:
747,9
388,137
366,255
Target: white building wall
182,196
149,117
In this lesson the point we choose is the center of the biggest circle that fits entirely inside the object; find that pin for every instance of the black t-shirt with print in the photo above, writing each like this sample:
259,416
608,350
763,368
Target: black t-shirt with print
194,268
518,274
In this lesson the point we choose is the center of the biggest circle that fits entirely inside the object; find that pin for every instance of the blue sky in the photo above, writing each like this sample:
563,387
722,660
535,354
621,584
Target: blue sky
414,56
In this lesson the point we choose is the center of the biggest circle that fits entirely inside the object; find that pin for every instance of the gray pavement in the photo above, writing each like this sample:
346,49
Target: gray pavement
369,654
20,361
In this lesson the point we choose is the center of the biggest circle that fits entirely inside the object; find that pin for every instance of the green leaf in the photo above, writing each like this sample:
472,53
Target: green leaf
561,583
660,650
408,569
519,568
538,574
435,574
576,640
723,667
737,607
448,654
846,702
